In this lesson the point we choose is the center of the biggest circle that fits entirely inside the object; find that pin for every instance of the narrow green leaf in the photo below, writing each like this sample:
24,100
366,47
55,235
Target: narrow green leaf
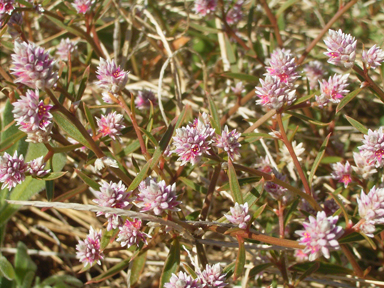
23,263
87,180
52,176
215,120
307,119
303,99
164,141
107,236
137,268
240,260
149,136
131,148
229,270
340,203
49,189
259,211
83,84
319,156
357,125
234,184
308,272
90,118
172,263
11,140
240,76
64,26
330,159
290,212
193,185
61,281
6,268
258,269
190,270
285,6
369,240
347,99
28,280
140,177
325,268
204,28
156,157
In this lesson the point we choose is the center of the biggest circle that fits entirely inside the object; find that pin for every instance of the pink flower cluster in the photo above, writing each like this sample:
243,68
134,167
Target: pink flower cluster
332,90
65,48
373,148
239,215
111,76
205,7
130,234
373,57
229,142
111,125
83,6
144,99
342,173
341,48
88,251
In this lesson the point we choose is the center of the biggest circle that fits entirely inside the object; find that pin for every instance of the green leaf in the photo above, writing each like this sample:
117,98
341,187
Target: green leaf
131,148
67,126
215,120
83,85
28,280
234,184
190,270
284,7
87,180
290,212
49,188
137,268
149,136
52,176
308,272
172,263
258,269
353,237
319,156
340,203
6,268
193,185
61,281
240,260
204,29
229,270
156,157
357,125
347,99
107,236
330,159
307,119
240,76
369,240
11,140
259,211
23,263
140,177
90,118
325,268
303,99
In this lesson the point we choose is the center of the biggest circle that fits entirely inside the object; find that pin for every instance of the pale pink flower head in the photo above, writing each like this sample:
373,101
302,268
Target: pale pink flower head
229,142
7,6
238,89
182,280
12,170
212,277
342,173
205,7
33,66
235,14
341,48
332,90
239,215
373,57
274,94
192,141
282,65
144,98
157,196
88,251
111,125
373,147
320,235
278,192
111,76
66,46
83,6
314,72
113,195
371,209
363,167
130,234
36,167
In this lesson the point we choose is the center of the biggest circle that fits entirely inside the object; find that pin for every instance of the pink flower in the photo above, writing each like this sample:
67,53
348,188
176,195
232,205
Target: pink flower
373,57
130,234
157,196
263,164
320,235
363,167
341,48
12,170
111,76
373,147
66,47
83,6
239,215
204,7
332,90
228,141
14,25
7,6
278,192
36,167
144,98
274,94
282,65
342,173
314,72
114,196
300,256
371,209
212,277
238,89
235,14
182,280
111,125
88,251
33,66
192,141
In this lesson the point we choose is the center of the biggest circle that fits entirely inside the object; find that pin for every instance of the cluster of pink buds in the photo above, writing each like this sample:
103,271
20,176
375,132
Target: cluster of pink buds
205,7
83,6
341,49
342,173
332,90
130,234
14,25
144,99
278,192
88,251
239,215
111,76
314,71
183,280
6,7
66,48
373,148
235,14
111,125
373,57
229,142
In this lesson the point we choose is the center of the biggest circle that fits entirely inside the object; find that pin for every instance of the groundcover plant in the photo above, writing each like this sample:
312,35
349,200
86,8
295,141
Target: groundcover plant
191,143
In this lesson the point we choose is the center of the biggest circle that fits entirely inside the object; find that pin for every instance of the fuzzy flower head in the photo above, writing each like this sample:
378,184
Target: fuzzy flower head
320,235
278,192
182,280
314,72
239,215
83,6
144,98
36,167
371,209
373,147
212,277
111,125
373,57
111,76
7,6
88,251
14,25
192,141
273,94
114,196
363,167
235,14
229,142
157,196
65,48
205,7
332,90
12,170
33,66
130,234
238,89
342,173
341,48
282,65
